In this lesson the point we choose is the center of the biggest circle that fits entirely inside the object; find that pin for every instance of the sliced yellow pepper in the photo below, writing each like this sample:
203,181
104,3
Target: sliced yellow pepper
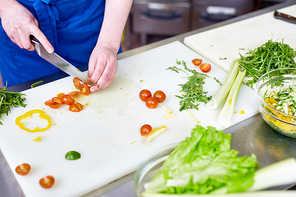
28,115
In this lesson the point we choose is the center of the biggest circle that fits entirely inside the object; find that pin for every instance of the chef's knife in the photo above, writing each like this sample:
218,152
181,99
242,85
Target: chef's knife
285,17
61,63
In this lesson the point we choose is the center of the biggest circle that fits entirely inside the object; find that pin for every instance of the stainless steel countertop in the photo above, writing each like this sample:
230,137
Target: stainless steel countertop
250,135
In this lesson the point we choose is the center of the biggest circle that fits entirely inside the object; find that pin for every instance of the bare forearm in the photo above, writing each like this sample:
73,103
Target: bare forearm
116,14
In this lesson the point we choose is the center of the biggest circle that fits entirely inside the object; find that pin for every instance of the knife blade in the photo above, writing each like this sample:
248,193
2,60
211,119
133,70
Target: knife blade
61,63
285,17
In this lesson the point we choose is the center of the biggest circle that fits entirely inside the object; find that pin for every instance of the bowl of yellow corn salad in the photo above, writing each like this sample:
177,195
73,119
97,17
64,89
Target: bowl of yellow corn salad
276,99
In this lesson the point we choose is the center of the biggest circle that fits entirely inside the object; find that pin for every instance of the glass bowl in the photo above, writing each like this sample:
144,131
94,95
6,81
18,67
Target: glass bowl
148,169
275,80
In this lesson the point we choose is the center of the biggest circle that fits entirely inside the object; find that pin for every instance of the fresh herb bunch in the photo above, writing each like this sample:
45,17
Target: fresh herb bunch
8,99
192,91
269,56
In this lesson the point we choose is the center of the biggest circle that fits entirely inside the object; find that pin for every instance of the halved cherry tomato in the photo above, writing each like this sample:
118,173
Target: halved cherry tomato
23,169
68,99
151,102
57,100
49,102
160,95
84,89
144,94
75,94
205,67
197,61
77,107
47,181
77,83
55,105
145,129
60,95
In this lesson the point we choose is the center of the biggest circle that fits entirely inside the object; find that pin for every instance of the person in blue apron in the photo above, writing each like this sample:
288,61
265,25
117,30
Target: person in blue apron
80,31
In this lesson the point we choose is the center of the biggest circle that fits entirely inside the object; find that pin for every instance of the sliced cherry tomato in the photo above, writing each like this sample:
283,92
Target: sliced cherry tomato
55,105
60,95
68,99
75,94
23,169
151,102
145,129
77,83
77,107
144,94
197,61
160,95
84,89
46,182
205,67
49,102
57,100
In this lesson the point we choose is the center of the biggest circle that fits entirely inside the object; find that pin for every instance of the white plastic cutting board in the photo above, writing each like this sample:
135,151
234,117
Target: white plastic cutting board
106,132
229,40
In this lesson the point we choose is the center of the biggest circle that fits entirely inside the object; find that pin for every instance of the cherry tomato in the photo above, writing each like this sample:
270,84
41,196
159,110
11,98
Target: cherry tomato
49,102
205,67
145,129
68,99
160,95
77,83
55,105
46,182
57,100
84,89
23,169
197,61
60,95
151,102
144,94
77,107
75,94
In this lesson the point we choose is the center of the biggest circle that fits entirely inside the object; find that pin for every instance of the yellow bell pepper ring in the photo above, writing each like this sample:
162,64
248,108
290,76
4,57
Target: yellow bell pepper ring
28,115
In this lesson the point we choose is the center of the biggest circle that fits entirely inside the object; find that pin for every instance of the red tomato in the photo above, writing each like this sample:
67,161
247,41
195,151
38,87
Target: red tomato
205,67
77,107
144,94
55,105
75,94
151,102
197,62
68,99
49,102
46,182
23,169
160,95
84,89
57,100
145,129
60,95
77,83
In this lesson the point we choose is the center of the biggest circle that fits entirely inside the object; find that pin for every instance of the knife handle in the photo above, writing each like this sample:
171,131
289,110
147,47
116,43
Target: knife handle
285,17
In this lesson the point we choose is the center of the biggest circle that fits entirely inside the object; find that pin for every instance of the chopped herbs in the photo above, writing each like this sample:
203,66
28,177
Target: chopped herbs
224,58
192,91
269,56
8,99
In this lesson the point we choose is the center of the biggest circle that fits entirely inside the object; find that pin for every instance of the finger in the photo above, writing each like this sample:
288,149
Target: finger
42,39
26,42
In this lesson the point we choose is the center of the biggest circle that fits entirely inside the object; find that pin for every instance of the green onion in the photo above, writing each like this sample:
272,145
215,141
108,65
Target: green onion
34,84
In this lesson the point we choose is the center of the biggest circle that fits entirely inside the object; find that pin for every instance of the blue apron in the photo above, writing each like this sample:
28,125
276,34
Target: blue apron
72,27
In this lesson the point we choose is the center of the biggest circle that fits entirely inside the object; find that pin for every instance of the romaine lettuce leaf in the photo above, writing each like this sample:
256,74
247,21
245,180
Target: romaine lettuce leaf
204,163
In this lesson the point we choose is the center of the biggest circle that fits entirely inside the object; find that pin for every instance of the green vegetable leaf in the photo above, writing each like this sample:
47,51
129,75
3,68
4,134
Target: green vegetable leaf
203,164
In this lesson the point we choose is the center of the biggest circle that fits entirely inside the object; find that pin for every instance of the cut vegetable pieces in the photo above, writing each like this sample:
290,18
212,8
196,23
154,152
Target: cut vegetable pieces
167,110
155,132
189,112
225,115
225,88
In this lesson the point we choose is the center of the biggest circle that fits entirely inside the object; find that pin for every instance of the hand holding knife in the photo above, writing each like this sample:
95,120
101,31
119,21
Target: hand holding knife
61,63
